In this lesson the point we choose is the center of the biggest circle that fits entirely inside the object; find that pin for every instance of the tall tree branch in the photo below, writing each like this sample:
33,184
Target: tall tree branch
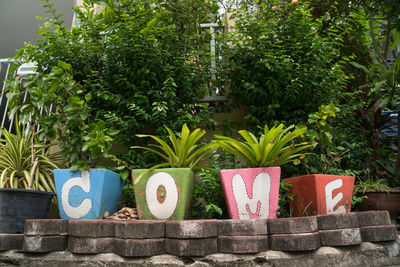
374,41
387,40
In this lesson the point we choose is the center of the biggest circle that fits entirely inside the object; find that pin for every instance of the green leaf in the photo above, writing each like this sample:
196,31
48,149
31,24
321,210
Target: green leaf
329,135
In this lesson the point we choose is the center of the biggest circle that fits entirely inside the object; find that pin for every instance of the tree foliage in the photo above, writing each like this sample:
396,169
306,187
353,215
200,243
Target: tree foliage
280,66
140,64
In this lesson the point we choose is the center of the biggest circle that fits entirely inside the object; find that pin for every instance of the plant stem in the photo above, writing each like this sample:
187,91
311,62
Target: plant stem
34,165
305,166
336,158
34,161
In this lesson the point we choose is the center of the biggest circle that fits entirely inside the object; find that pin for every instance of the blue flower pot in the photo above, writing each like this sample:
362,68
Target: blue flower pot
87,194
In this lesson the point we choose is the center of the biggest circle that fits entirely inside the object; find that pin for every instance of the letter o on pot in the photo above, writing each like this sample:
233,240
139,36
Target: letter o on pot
166,208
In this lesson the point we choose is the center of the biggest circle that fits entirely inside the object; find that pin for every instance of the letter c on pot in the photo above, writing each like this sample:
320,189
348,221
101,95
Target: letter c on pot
86,205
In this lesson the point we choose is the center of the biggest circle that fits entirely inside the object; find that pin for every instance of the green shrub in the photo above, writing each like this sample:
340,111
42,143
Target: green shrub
279,66
208,199
141,62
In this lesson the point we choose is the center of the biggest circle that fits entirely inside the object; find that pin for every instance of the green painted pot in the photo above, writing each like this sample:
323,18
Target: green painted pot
164,194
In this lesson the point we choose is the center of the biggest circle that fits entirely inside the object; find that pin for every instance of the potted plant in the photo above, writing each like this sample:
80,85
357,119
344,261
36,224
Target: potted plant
166,193
321,193
375,195
62,108
253,192
26,182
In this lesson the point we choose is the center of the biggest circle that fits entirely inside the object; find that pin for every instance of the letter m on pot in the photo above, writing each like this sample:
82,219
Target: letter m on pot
251,193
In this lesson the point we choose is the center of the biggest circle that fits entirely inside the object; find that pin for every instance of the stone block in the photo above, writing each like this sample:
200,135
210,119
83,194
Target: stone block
89,245
11,241
378,233
44,243
46,227
294,225
191,247
242,227
373,218
139,247
295,242
340,237
338,221
91,228
242,244
191,229
140,229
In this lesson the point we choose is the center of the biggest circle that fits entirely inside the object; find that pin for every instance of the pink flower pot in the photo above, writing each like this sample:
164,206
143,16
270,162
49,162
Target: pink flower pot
251,193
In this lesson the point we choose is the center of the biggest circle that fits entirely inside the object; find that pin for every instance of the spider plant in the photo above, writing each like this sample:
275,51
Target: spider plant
184,153
371,184
25,161
273,148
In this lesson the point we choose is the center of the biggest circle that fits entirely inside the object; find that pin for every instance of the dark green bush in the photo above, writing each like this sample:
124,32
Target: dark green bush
142,63
279,66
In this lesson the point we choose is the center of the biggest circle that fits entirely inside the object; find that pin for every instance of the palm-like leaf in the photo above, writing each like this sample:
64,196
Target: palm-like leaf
274,148
184,153
16,161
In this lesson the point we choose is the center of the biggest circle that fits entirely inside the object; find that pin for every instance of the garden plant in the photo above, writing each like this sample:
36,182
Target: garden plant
275,147
174,185
137,66
26,181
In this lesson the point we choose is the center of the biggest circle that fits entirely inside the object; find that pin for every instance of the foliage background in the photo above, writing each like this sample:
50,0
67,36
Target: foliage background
279,67
143,64
139,64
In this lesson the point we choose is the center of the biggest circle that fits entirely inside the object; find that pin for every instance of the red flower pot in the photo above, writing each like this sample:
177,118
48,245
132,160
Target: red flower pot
320,194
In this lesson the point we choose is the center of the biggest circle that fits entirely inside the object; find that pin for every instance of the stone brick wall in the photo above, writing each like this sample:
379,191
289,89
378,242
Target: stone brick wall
198,238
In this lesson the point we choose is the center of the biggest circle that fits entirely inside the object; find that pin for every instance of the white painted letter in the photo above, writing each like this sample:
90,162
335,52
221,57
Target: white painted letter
165,209
259,203
332,201
86,205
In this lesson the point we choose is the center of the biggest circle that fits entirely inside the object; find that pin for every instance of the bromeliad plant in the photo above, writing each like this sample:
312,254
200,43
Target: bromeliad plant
273,148
184,153
25,161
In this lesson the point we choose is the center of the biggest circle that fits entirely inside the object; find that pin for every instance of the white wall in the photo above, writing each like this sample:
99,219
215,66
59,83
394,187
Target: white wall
18,22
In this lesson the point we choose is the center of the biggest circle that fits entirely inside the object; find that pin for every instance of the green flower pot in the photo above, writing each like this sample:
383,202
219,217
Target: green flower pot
164,194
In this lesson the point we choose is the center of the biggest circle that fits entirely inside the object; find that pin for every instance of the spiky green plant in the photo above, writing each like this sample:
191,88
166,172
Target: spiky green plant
274,148
26,162
184,153
371,184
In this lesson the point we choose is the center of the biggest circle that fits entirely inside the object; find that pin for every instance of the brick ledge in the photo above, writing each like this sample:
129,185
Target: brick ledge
366,254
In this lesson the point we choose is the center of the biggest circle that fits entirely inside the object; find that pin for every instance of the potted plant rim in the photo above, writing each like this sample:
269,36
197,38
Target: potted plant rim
252,193
319,192
26,181
375,195
166,193
62,108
